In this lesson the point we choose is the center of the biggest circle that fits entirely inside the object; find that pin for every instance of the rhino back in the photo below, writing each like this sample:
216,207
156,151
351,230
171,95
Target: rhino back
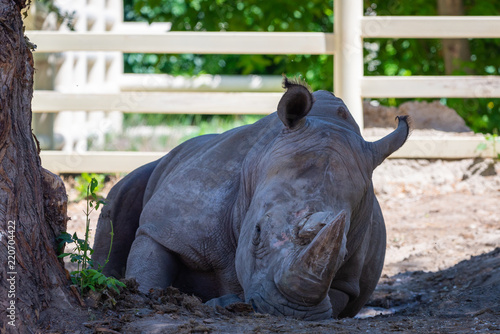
190,199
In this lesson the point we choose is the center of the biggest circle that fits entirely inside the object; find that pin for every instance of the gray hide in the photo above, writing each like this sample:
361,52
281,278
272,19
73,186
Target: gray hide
280,214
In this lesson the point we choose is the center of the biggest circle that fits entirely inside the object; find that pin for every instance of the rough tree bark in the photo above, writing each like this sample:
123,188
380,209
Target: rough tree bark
455,50
32,200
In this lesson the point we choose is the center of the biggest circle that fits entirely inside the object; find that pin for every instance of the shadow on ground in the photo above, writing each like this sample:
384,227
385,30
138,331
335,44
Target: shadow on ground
462,299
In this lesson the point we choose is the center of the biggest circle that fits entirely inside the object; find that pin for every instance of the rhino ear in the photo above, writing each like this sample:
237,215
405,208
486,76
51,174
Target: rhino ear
295,103
384,147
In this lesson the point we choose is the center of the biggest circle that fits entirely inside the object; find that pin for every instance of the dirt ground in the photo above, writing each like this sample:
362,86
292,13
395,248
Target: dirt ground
441,273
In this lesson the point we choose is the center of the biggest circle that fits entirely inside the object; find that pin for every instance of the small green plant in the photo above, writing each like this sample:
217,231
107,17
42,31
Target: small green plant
84,180
86,276
493,140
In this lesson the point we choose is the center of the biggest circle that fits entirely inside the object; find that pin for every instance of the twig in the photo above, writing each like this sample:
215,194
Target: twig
106,330
77,294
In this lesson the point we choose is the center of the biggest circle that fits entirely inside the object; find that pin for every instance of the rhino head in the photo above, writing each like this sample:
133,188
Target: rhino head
304,194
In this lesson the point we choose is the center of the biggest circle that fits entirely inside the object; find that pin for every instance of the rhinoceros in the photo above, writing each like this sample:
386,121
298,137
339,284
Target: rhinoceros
280,214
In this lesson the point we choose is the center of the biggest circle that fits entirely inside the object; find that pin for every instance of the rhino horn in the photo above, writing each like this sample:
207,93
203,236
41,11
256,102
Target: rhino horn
306,278
384,147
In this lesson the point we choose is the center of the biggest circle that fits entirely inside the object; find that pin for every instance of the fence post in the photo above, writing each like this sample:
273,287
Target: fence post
348,57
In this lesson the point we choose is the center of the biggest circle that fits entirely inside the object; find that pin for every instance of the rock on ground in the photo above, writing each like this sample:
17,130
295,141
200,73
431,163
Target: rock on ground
424,115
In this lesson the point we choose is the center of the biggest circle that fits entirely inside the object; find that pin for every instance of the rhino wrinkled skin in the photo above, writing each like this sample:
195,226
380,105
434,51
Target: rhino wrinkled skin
280,214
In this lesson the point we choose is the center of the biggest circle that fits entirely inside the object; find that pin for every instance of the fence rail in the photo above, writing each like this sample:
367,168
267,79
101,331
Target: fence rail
186,42
259,103
158,102
446,147
430,27
431,86
351,27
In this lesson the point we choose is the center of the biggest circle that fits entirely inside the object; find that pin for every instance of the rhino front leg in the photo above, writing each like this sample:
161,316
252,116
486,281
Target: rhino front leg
372,264
354,284
151,264
339,301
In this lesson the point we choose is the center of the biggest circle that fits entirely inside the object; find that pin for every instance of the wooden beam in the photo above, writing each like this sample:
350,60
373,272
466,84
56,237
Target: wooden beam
158,102
431,86
445,147
96,162
430,26
200,83
260,103
348,60
186,42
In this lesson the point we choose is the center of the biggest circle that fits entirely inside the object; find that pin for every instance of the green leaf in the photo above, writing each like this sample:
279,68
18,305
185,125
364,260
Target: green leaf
115,288
101,279
82,243
481,147
65,237
93,185
76,257
93,271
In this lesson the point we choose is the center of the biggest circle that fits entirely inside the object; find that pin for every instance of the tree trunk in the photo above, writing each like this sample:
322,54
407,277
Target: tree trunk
32,200
455,50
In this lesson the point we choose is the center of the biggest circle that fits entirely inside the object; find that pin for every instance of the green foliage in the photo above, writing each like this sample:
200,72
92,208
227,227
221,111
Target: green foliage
86,277
206,123
382,56
223,15
253,15
82,182
222,124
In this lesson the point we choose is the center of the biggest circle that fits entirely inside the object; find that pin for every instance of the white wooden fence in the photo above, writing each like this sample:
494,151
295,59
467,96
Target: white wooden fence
350,84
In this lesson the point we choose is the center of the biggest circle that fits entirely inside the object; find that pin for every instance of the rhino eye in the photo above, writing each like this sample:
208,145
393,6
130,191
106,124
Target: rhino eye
342,112
256,235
